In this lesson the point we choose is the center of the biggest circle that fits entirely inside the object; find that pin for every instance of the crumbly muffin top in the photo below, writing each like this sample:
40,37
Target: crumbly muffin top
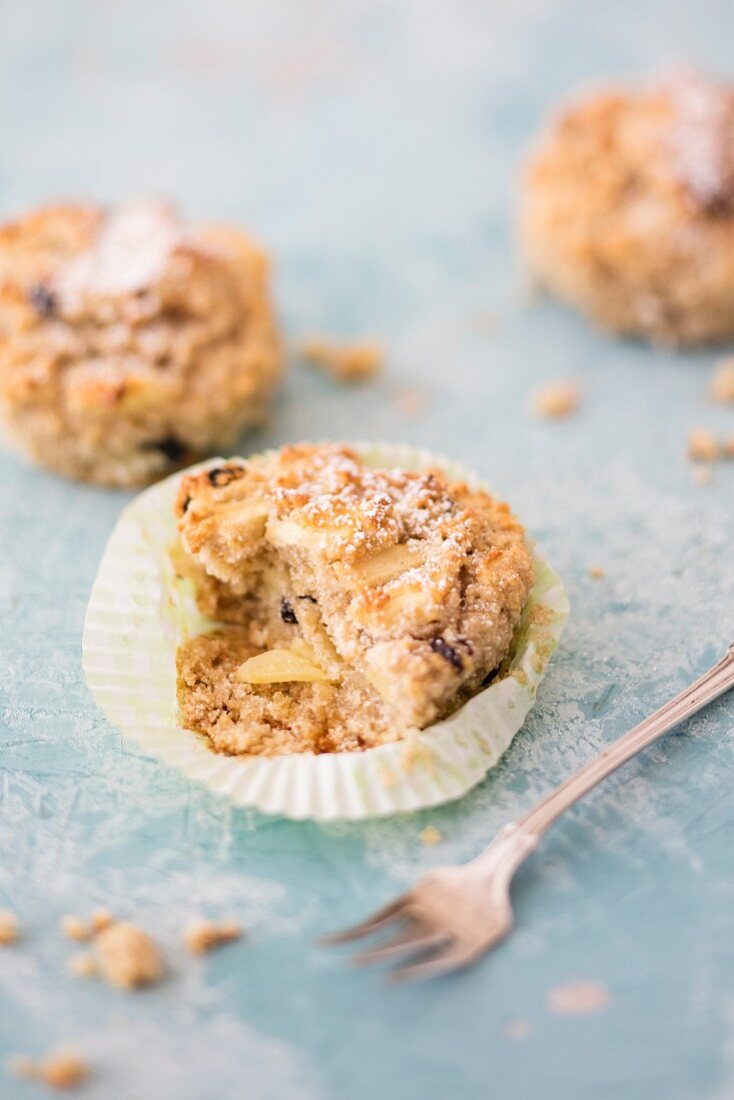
670,142
413,582
130,265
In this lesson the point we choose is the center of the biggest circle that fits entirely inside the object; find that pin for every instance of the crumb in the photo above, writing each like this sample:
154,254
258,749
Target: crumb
127,957
61,1069
727,447
74,928
517,1029
556,401
582,998
83,965
431,835
597,572
203,935
344,362
703,446
100,919
411,402
702,475
9,928
721,386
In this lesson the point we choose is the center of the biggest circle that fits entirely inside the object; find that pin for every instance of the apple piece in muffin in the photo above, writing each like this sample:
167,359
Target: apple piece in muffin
362,603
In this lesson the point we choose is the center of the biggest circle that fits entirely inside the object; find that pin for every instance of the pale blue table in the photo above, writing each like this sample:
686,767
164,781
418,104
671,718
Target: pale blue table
374,146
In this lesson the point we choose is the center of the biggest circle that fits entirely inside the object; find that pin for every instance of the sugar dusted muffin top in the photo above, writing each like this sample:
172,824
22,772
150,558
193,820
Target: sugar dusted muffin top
384,593
129,341
627,208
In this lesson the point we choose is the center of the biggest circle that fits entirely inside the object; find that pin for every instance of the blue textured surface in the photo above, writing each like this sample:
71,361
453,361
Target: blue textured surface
374,146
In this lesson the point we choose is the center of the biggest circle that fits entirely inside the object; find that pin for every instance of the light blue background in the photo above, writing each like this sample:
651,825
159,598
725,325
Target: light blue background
374,146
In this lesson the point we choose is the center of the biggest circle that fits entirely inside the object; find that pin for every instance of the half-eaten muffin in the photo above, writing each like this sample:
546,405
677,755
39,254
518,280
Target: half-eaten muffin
362,604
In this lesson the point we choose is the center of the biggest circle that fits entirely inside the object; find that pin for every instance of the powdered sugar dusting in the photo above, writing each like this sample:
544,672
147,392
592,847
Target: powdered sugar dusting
703,140
131,252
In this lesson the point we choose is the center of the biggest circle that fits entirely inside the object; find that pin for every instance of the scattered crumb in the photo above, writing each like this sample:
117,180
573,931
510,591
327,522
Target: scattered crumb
83,965
582,998
62,1069
702,475
100,919
703,446
344,362
127,957
431,835
728,447
203,935
9,928
597,572
75,929
517,1029
411,402
556,401
721,386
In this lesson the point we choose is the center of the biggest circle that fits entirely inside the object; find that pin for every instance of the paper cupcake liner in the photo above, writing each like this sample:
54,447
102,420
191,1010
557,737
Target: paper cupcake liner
140,611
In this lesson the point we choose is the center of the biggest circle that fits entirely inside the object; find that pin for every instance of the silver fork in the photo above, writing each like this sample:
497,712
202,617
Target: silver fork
454,915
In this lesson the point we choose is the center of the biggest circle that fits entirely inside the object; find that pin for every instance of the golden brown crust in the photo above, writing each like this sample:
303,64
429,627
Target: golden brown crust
130,343
412,584
628,209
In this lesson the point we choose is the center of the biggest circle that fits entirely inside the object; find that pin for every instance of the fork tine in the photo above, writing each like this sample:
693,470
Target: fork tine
372,924
407,942
442,962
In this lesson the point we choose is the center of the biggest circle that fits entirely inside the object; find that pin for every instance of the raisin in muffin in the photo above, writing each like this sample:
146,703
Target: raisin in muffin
363,603
130,343
628,209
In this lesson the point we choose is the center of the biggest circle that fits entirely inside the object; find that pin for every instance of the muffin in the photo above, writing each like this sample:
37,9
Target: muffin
360,603
130,343
627,209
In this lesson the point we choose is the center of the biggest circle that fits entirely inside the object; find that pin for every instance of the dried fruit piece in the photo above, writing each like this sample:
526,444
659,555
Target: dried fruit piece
222,475
448,652
204,935
127,956
287,613
43,299
170,447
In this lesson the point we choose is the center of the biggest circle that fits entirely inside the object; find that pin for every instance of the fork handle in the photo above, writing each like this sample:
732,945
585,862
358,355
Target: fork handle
524,834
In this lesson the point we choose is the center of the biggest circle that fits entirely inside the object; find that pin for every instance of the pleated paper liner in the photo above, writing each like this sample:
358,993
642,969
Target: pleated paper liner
140,611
